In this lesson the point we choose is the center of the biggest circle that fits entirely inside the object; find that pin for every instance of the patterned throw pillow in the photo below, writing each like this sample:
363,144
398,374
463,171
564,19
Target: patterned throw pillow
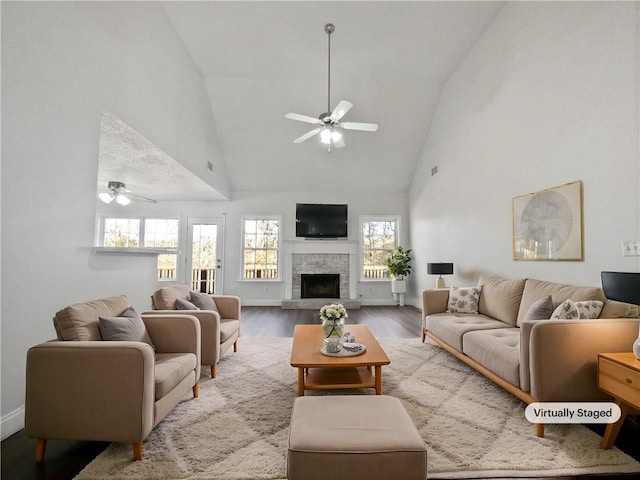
464,299
583,310
590,308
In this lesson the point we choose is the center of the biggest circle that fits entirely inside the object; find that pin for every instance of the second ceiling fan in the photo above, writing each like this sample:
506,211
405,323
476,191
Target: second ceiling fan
329,123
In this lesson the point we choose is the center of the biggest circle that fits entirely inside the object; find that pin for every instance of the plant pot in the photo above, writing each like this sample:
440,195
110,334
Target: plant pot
398,286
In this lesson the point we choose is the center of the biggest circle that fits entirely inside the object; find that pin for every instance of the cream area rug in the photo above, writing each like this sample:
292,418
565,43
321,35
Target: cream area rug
237,429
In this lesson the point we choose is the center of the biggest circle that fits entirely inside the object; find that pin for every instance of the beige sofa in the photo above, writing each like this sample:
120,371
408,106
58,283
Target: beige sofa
536,360
81,388
220,328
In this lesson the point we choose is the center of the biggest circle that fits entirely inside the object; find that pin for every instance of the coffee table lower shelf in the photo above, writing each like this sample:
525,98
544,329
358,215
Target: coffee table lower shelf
338,378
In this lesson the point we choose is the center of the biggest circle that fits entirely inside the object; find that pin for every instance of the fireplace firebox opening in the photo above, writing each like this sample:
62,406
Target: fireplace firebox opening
320,285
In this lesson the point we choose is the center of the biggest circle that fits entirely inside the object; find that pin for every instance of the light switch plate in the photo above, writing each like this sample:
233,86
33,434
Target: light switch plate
631,248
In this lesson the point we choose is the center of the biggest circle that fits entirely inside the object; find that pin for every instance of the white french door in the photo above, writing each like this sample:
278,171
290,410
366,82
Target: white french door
204,254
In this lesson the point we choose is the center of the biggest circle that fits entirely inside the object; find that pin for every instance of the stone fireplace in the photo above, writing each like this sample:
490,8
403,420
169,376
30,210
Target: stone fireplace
332,277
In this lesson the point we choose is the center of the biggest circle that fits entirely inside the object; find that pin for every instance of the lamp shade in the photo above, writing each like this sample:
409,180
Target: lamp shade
440,268
621,286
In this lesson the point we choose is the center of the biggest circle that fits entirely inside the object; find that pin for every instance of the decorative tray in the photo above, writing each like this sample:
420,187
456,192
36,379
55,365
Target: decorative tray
344,352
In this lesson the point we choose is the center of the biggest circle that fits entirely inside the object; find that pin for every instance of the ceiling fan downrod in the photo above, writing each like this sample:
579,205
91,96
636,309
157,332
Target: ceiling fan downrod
329,28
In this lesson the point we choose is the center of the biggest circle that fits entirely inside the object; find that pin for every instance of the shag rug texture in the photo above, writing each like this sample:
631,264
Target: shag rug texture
237,429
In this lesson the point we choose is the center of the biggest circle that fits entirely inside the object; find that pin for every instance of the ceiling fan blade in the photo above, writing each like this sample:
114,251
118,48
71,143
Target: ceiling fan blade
341,109
303,118
139,197
367,127
339,143
307,135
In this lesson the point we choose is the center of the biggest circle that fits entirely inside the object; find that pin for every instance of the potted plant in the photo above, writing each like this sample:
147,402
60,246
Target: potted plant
399,266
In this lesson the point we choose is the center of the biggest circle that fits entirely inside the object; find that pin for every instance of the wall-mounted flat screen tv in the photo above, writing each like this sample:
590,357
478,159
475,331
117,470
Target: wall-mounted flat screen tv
315,220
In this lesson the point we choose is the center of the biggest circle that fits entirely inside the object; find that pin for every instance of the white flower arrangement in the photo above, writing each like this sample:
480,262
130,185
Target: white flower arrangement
333,312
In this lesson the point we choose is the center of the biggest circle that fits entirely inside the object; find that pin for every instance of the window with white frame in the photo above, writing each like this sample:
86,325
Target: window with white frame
261,248
145,232
379,237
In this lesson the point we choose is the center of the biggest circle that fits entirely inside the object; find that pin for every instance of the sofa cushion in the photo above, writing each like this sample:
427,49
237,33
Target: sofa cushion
170,370
165,298
500,298
613,309
537,289
498,350
540,309
80,321
451,327
203,301
128,327
464,299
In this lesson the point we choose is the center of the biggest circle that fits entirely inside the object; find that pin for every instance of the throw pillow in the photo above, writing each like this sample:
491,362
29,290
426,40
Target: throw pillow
203,301
589,308
464,299
185,305
126,327
566,310
540,309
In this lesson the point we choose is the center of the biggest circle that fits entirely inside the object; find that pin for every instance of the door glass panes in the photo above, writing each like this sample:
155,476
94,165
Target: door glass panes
121,232
204,261
379,239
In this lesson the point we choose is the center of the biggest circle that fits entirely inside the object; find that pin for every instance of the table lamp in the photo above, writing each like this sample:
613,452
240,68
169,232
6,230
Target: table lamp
440,269
623,287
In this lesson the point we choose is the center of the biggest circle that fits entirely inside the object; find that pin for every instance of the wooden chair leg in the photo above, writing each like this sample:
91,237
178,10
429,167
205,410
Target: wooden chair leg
41,446
196,390
540,429
235,346
214,370
137,451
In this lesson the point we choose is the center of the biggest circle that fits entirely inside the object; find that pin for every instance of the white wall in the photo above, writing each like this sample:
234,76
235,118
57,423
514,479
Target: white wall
63,64
548,95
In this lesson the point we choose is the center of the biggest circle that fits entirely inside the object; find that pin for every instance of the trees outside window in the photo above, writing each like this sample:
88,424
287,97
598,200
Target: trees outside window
261,248
379,237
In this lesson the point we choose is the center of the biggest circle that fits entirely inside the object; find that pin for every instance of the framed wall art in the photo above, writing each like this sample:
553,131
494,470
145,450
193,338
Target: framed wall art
547,225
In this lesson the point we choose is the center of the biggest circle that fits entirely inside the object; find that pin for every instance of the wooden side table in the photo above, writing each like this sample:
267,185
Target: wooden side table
619,376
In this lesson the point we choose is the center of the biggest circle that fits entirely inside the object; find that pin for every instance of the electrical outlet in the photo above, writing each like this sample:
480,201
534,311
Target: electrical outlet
631,248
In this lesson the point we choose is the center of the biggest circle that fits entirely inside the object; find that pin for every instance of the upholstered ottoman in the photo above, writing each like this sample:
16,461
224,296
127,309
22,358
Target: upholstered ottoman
354,437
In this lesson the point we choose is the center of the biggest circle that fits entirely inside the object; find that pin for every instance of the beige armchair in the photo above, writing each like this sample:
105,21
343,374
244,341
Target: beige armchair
81,388
220,327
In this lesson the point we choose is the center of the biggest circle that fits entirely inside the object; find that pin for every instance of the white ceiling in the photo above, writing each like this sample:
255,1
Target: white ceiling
261,60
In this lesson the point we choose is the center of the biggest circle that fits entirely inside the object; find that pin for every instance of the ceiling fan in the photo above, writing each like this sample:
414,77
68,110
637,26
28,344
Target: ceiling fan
119,192
329,124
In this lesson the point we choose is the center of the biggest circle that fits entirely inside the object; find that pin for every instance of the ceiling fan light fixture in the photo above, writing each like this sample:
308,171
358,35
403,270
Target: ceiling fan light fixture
325,136
106,197
335,136
122,200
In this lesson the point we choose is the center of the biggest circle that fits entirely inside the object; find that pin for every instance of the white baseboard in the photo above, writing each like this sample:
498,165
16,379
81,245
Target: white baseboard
12,422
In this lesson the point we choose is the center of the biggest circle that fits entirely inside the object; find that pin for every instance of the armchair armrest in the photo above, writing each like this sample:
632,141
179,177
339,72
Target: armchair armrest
90,390
228,306
563,355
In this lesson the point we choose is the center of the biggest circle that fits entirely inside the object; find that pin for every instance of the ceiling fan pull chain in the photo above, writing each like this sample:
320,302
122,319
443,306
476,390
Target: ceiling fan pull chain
329,28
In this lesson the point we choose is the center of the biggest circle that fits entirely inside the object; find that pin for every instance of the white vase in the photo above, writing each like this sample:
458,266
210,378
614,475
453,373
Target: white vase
636,347
398,286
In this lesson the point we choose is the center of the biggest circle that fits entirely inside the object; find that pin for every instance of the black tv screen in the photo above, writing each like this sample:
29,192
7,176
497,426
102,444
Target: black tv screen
321,220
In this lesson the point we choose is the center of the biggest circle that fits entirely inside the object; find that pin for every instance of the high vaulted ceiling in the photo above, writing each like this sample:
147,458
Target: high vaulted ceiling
261,60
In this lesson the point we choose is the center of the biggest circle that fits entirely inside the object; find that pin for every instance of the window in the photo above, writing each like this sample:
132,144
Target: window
261,244
148,233
121,232
163,233
379,239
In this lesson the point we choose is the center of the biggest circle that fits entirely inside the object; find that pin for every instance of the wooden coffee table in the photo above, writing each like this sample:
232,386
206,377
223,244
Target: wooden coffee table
319,372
